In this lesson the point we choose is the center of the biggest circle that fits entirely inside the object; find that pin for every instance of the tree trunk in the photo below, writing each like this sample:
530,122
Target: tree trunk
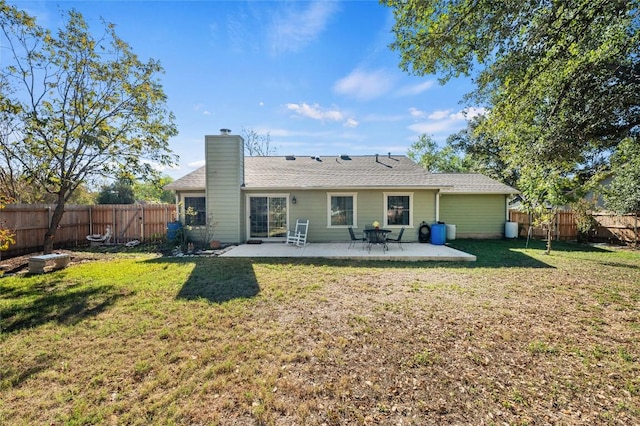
56,218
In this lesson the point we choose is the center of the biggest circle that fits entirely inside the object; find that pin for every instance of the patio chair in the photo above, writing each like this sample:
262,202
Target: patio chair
355,239
299,235
398,239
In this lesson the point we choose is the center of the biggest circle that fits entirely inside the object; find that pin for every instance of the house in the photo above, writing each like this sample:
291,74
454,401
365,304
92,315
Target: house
259,198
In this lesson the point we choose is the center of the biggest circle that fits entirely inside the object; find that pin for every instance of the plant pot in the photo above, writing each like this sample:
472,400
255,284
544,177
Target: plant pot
214,244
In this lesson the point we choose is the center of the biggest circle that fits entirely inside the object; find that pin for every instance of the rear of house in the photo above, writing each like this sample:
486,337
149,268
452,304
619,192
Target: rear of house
234,198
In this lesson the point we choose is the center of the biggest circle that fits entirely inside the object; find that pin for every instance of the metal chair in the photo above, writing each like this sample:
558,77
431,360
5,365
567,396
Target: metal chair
398,239
354,238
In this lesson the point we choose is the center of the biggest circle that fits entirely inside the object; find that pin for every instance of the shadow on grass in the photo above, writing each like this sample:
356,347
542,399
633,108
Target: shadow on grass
218,280
515,253
51,300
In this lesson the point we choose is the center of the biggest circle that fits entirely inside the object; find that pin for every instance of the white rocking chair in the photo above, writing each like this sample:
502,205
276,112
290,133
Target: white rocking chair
299,235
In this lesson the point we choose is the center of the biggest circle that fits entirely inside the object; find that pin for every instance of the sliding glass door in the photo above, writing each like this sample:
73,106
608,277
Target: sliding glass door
268,217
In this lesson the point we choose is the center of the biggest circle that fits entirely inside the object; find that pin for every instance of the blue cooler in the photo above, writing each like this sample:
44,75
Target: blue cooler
173,229
438,234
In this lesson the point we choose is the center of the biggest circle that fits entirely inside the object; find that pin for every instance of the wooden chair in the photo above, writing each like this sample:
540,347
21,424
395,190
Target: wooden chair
299,235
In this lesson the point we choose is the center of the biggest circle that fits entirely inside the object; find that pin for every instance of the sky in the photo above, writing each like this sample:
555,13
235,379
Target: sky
317,76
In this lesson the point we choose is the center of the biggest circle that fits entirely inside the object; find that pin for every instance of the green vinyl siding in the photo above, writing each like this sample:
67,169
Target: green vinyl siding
314,205
479,216
224,178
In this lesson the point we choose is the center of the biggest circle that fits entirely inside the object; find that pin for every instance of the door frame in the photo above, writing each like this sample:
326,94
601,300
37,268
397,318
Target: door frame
248,212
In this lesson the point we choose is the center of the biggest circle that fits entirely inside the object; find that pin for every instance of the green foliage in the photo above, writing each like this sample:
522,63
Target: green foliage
119,192
426,152
560,79
153,191
81,108
623,195
483,153
7,236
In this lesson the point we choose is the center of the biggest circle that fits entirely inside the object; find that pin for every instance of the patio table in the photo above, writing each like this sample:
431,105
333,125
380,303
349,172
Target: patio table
377,237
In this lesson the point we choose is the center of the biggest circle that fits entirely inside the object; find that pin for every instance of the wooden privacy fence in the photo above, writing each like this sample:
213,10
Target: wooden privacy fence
128,222
609,227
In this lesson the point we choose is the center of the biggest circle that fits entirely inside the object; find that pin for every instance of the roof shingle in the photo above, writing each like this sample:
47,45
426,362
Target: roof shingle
368,171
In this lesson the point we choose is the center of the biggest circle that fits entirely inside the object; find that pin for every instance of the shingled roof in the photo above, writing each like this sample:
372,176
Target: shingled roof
347,172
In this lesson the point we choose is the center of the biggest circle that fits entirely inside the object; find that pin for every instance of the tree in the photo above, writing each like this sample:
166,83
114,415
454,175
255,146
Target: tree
425,151
119,192
560,79
153,191
256,144
483,154
87,108
623,195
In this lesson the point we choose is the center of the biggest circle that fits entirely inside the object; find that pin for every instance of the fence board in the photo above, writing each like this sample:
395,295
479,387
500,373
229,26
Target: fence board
128,222
610,227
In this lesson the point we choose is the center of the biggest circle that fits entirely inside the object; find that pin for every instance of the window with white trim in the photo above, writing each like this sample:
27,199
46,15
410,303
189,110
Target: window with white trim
341,208
398,209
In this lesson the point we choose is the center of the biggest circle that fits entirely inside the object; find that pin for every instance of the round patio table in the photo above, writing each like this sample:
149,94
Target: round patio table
377,237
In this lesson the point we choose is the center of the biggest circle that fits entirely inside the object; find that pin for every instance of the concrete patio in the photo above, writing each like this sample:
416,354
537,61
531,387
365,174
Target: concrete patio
412,252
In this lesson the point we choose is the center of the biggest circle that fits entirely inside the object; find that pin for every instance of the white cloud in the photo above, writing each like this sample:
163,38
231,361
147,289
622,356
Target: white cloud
350,123
196,164
415,112
416,89
446,122
439,115
315,112
365,85
293,28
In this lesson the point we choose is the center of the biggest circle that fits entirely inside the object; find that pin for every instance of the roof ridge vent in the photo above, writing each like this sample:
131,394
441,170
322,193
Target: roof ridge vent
345,157
290,157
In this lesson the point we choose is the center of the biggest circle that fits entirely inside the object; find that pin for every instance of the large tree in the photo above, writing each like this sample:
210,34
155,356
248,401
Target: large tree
561,79
88,108
482,153
426,152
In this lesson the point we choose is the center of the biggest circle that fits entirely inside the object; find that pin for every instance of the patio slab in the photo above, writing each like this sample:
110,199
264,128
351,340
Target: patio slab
412,252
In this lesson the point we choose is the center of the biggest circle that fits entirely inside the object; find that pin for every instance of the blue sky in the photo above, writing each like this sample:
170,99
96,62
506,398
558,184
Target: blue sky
319,77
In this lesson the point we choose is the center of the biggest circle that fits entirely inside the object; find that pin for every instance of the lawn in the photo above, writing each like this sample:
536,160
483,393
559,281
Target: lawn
517,337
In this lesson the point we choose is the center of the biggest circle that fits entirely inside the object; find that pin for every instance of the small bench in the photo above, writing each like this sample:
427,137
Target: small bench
37,263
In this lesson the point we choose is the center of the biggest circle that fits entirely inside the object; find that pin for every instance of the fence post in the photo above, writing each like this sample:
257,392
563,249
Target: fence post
635,229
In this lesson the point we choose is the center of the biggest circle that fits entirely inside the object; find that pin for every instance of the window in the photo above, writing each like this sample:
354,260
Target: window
342,210
398,209
195,211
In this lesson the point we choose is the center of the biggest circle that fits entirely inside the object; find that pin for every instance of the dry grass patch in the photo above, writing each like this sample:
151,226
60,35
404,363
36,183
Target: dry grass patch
516,338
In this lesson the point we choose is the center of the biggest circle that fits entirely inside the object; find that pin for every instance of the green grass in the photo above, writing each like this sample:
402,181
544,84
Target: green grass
517,337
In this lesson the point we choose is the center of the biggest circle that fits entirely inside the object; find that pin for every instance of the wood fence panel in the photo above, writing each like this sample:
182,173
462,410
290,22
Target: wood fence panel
610,228
613,227
128,222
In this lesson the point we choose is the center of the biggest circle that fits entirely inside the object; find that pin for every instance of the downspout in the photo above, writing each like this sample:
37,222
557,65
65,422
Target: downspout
506,208
438,206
